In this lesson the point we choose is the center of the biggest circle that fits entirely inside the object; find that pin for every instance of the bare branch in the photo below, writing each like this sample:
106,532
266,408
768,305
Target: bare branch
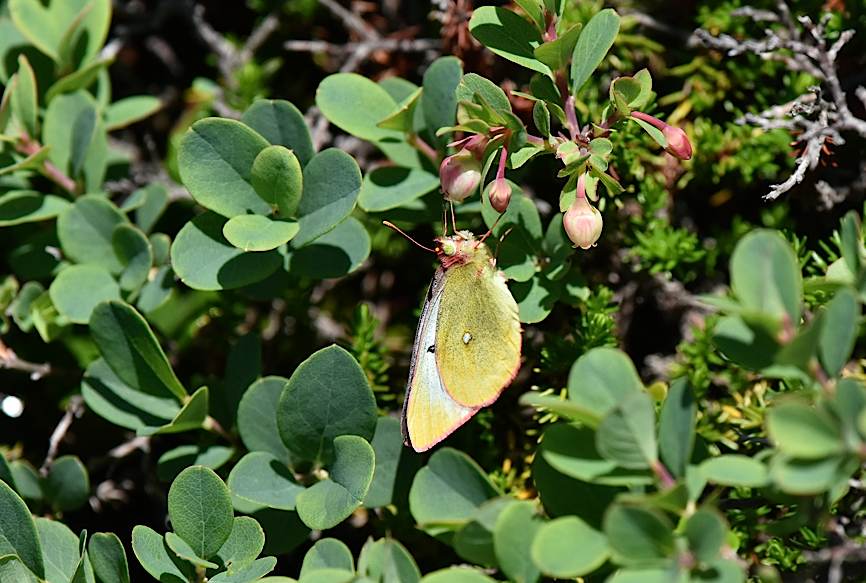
10,360
74,409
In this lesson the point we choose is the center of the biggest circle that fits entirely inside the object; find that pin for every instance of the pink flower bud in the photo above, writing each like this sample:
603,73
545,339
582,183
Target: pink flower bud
678,142
459,175
582,223
500,195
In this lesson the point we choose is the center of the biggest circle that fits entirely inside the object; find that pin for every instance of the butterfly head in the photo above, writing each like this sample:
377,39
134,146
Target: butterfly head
462,247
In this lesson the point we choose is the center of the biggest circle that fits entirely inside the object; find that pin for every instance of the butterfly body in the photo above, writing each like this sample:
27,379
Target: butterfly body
467,347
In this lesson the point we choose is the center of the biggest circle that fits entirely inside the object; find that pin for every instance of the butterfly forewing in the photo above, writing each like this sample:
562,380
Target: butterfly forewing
429,413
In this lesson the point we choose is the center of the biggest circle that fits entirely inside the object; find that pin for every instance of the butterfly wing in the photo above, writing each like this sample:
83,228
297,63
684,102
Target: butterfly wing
429,413
478,334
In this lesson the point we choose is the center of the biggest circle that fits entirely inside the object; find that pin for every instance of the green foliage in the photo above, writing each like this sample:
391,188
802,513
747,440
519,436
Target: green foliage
248,326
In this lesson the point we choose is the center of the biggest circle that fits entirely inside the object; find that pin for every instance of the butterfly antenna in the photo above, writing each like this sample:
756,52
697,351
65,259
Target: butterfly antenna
444,218
489,231
394,227
498,245
453,219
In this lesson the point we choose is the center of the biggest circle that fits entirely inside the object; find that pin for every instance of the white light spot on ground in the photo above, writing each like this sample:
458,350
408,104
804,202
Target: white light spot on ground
12,406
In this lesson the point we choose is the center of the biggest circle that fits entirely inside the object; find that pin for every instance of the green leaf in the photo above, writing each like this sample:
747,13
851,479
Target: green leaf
261,478
129,347
78,141
281,124
653,132
127,111
806,477
541,117
838,331
627,434
557,52
572,451
86,231
388,561
594,42
638,536
568,547
204,260
109,397
253,571
334,254
27,480
706,533
60,553
329,502
440,99
513,537
391,463
153,554
751,346
32,161
356,105
851,242
12,569
80,79
24,103
534,9
449,489
180,548
258,233
133,249
473,85
388,187
601,378
277,178
508,35
327,396
327,553
200,509
677,428
403,118
456,575
172,462
474,540
562,407
257,418
18,532
67,485
108,558
765,275
244,544
46,27
735,470
191,416
332,182
77,289
802,431
720,571
215,159
645,575
154,204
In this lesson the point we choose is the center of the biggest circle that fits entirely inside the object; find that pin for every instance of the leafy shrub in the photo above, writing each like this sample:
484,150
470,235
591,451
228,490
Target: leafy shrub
225,328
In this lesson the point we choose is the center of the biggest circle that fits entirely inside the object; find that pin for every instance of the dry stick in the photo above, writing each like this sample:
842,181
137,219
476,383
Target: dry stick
74,409
418,45
9,360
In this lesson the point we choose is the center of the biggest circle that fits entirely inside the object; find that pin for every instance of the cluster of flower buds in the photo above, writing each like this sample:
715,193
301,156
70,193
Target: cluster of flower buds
678,143
582,221
460,173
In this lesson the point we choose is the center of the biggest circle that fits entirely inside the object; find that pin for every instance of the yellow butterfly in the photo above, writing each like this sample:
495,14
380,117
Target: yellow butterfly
467,346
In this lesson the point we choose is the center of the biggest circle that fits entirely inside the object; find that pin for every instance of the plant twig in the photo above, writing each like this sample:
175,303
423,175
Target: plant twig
803,46
74,409
404,45
28,147
10,360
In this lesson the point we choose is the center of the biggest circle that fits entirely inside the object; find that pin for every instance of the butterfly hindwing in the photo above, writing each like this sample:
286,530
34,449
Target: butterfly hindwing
477,334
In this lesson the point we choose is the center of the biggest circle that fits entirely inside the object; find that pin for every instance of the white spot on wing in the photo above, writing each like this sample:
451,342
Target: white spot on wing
466,337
